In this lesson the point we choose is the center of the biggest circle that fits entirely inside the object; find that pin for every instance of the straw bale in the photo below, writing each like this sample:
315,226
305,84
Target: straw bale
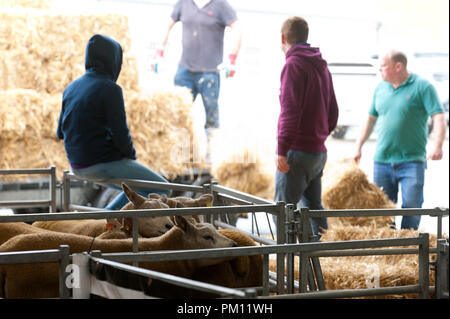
28,114
158,121
345,186
245,172
355,272
28,122
360,271
45,51
36,4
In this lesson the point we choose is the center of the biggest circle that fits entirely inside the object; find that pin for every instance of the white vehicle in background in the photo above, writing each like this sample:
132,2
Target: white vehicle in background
434,67
354,84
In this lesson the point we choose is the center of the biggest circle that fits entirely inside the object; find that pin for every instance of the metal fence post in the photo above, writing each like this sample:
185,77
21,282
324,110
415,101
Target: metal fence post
135,229
207,189
64,290
303,271
424,265
250,293
281,239
441,287
82,290
52,186
291,239
66,191
265,291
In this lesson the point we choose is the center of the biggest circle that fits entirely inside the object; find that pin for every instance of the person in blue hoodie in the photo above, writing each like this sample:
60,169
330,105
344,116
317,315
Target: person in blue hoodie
93,122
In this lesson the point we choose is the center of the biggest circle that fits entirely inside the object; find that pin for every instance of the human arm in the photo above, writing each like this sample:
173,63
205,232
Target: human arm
367,130
439,129
169,27
282,164
159,52
237,39
290,113
116,121
59,132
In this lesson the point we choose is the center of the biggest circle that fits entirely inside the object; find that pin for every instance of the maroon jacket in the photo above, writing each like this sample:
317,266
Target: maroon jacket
309,110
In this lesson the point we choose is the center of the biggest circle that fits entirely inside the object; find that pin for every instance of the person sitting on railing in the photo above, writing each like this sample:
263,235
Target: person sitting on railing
93,122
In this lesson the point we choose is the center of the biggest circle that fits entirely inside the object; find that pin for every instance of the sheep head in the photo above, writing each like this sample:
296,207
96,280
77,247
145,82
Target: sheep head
202,201
148,226
202,236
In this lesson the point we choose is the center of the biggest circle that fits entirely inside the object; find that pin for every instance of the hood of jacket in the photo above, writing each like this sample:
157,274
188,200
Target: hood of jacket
104,55
308,54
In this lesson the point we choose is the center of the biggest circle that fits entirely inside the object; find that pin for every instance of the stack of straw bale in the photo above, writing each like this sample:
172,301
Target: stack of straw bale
345,186
35,4
42,52
355,272
245,172
362,271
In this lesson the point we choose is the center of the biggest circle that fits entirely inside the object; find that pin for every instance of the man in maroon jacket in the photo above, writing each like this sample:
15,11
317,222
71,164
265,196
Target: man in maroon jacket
309,113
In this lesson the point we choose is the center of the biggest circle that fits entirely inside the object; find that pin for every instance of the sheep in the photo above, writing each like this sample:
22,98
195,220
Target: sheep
202,201
182,201
41,280
148,226
239,272
9,230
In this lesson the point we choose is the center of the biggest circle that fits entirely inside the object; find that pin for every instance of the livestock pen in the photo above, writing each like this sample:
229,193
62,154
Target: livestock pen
283,242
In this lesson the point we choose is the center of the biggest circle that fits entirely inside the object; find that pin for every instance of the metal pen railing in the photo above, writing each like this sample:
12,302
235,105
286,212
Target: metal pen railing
51,202
61,255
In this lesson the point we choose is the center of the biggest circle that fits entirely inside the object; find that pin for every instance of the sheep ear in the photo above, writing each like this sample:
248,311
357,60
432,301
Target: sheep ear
171,203
132,196
163,198
127,226
183,223
174,204
126,189
206,199
179,205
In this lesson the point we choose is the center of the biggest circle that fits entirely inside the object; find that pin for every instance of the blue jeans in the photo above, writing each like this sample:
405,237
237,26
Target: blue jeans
127,169
410,176
302,185
208,85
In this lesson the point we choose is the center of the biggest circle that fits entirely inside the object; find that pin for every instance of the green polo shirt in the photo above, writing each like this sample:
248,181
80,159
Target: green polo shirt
402,116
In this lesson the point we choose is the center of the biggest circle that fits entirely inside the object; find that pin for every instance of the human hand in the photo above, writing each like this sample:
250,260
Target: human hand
282,164
357,156
231,66
156,60
435,154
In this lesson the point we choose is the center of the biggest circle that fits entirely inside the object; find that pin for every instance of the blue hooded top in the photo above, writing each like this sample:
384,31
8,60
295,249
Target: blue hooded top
93,121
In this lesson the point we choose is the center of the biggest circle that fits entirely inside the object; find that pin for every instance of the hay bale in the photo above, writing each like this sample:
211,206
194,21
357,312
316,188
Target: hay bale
28,122
35,4
158,121
43,52
353,272
345,186
360,272
245,172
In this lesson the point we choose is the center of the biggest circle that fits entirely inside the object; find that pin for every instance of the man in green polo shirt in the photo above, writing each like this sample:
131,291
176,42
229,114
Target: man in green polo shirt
400,107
